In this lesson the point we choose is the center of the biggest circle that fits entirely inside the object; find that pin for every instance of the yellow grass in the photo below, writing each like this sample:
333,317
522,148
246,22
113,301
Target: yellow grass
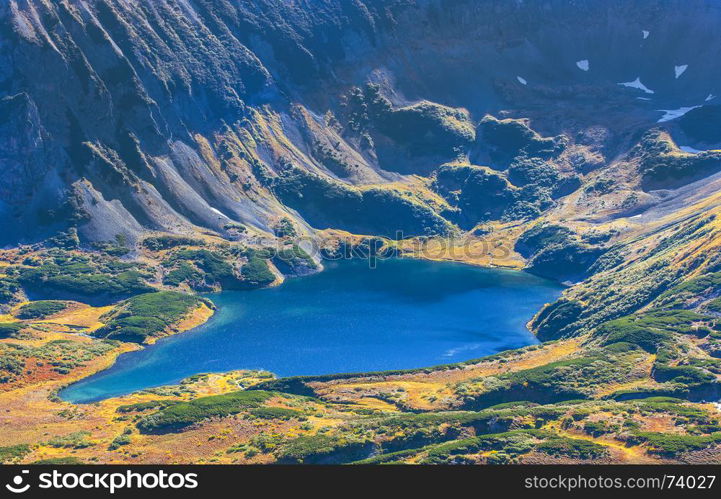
433,390
81,316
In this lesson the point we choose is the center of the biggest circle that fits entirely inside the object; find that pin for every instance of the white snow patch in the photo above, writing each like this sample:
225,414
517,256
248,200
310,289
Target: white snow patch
710,97
582,65
217,212
672,114
689,149
645,33
643,98
522,81
680,69
637,84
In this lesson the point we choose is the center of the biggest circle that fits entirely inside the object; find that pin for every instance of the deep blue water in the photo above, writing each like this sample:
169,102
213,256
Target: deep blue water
403,314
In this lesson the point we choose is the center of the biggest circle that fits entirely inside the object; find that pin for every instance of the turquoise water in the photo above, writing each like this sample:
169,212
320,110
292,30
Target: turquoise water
350,318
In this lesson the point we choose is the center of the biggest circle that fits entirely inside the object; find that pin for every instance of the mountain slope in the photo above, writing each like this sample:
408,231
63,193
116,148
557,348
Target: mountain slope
182,115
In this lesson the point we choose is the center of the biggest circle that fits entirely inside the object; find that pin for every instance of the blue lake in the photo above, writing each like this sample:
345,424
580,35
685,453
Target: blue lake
349,318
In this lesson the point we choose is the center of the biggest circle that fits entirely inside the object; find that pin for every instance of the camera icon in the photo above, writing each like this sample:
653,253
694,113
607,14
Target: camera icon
17,486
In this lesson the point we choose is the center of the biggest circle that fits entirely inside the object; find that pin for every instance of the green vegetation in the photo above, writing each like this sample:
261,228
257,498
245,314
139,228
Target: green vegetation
319,449
569,261
427,128
509,138
275,413
122,439
67,460
293,260
572,447
72,275
542,236
670,444
621,331
185,273
216,270
9,288
424,129
478,193
326,203
146,316
62,355
117,247
13,453
184,414
40,309
663,166
76,440
285,228
555,251
569,379
699,286
205,270
65,240
501,448
256,273
10,368
157,243
551,322
9,329
145,406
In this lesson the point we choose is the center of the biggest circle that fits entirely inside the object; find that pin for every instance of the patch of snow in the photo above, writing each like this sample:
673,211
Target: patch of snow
672,114
522,81
217,212
637,84
582,65
718,405
710,97
689,149
680,69
645,33
643,98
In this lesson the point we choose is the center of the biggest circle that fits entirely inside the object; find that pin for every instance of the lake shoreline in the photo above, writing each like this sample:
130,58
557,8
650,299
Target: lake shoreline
430,269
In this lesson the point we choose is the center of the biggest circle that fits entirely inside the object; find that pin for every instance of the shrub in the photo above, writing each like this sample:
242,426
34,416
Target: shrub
9,329
285,228
147,315
619,331
13,452
670,445
572,447
68,460
184,272
40,309
275,413
145,406
256,272
76,440
541,236
157,243
184,414
384,211
312,449
81,279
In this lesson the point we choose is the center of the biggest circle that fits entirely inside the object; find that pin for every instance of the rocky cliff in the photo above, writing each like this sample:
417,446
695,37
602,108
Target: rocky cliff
125,116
